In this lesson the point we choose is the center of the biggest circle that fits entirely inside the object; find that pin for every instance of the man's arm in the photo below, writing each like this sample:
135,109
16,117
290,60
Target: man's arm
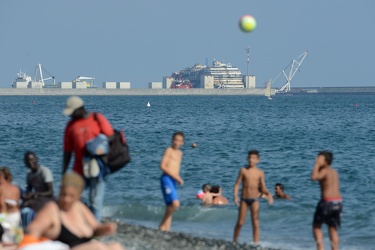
165,169
236,186
47,193
318,174
66,159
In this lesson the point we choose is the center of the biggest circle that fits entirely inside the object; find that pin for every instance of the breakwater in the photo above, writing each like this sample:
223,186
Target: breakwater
337,90
130,92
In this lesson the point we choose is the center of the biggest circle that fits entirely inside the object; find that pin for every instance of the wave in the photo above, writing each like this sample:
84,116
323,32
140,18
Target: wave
195,213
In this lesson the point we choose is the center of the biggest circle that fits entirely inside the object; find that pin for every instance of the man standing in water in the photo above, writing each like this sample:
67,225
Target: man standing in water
329,208
170,165
83,127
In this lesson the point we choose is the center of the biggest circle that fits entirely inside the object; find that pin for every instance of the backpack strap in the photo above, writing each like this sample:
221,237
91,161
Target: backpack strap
97,120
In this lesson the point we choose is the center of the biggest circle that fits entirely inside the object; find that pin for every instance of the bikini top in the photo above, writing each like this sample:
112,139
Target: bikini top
69,238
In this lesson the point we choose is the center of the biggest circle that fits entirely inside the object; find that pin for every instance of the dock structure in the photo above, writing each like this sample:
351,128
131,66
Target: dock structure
130,92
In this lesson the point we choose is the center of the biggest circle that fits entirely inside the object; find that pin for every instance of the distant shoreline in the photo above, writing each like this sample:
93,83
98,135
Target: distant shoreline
181,92
129,92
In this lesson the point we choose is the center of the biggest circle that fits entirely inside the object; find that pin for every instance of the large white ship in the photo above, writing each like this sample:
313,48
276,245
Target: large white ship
224,76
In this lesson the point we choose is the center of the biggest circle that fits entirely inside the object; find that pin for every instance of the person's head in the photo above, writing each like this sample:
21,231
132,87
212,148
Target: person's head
279,189
72,186
215,189
177,139
5,175
74,107
31,161
326,157
206,188
253,157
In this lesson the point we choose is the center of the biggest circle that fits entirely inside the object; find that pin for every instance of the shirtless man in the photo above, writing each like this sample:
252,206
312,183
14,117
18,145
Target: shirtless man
170,165
329,208
279,192
250,176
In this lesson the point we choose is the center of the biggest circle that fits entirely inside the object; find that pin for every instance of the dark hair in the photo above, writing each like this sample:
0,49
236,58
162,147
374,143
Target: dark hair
206,187
178,133
27,153
327,155
280,185
253,152
215,189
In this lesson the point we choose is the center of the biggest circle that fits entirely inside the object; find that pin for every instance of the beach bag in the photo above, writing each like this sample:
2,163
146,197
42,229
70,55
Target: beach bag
96,148
118,155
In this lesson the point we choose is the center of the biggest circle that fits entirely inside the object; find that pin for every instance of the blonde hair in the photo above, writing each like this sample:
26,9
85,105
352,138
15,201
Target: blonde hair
74,180
4,171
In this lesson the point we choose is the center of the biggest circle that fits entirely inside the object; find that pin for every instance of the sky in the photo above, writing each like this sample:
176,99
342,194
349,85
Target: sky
143,40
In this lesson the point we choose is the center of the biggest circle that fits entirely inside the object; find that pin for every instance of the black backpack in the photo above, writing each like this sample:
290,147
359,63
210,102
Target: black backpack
118,156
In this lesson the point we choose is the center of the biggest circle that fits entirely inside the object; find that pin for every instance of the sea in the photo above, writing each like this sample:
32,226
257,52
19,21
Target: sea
288,131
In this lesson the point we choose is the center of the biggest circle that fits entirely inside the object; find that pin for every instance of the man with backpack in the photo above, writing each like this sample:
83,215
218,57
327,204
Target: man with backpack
83,127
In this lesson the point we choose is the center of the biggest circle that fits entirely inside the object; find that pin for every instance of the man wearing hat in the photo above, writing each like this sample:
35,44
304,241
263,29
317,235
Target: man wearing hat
83,127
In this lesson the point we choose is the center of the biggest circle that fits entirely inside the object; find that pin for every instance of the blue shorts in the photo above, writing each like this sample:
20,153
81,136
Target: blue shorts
169,189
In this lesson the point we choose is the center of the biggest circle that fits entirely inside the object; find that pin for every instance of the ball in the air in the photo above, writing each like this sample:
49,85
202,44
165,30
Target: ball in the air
247,23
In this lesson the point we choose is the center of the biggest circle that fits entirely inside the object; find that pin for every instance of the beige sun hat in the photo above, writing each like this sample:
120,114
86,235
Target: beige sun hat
73,103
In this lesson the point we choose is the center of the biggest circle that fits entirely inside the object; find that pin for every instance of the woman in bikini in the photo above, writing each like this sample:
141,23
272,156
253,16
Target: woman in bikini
70,221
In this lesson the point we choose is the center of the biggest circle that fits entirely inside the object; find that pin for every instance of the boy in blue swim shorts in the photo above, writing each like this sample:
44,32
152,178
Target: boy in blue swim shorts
170,166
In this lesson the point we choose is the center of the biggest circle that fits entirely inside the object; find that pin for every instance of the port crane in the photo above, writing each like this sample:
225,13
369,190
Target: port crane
38,76
289,71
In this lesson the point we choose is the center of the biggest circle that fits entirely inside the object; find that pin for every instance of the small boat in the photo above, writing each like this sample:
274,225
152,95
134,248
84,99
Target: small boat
268,90
148,104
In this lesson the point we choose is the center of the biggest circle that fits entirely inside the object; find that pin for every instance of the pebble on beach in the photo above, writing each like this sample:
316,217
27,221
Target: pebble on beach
134,237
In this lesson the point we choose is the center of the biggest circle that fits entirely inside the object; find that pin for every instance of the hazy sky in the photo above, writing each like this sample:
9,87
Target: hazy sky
143,40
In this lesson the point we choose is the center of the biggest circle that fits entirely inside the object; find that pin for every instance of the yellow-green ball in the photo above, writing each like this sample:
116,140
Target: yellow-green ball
247,23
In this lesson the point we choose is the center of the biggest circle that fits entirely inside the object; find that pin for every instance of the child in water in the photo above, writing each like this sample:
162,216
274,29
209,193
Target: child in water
329,208
170,166
212,195
250,176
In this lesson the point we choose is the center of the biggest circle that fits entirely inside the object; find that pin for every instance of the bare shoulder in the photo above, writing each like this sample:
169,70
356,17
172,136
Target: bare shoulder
167,151
333,171
259,172
50,208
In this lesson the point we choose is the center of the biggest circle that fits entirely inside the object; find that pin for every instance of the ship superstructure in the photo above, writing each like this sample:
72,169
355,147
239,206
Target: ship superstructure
224,76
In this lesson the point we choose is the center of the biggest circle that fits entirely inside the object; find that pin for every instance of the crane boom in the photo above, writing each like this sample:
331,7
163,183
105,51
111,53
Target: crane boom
289,71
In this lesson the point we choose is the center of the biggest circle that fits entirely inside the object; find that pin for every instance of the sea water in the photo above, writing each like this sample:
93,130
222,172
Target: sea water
288,131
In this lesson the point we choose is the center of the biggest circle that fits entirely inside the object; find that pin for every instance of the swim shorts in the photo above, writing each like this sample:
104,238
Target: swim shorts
328,212
169,189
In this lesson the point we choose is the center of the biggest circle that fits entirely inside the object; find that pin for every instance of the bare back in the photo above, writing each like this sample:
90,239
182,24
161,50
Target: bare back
329,184
11,193
251,177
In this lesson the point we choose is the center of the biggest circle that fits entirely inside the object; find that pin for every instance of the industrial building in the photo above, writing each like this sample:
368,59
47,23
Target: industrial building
155,85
